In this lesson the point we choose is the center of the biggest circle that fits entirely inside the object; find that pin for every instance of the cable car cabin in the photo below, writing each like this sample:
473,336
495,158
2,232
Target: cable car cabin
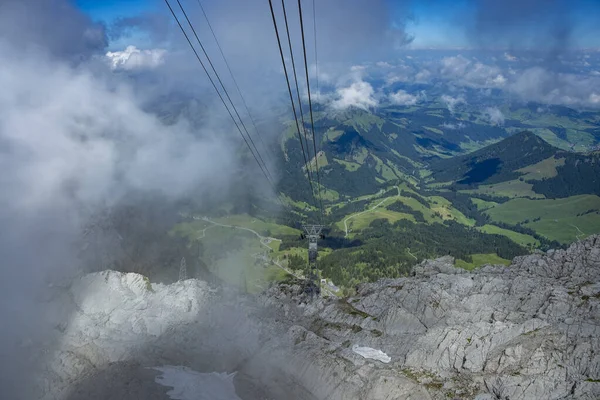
312,252
312,288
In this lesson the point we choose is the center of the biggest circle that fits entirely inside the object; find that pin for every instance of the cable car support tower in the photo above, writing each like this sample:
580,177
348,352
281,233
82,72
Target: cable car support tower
313,280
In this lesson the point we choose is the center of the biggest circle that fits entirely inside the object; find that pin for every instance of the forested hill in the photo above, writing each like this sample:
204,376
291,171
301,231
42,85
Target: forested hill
363,150
495,163
580,174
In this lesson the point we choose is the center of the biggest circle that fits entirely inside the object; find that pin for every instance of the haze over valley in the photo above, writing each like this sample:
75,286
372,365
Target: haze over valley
327,199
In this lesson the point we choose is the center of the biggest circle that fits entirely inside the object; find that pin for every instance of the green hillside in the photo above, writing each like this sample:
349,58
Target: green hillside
400,185
495,163
563,220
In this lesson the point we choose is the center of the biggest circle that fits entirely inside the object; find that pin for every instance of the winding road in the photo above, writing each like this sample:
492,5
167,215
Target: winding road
415,257
264,240
362,212
580,232
204,232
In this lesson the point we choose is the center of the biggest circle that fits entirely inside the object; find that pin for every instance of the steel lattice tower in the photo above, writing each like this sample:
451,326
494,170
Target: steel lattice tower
182,270
313,232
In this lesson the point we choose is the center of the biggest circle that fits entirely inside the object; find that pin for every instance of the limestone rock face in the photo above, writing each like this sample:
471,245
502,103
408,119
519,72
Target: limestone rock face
111,316
527,331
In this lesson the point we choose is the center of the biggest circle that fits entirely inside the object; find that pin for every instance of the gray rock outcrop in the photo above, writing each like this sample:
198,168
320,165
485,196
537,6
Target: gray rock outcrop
527,331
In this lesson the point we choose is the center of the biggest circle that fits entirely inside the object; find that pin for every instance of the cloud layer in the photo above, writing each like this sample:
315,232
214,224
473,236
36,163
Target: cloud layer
452,102
55,27
495,115
75,137
517,79
358,94
133,58
402,98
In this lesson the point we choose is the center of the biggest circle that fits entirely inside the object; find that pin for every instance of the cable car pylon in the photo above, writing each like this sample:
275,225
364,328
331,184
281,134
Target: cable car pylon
313,280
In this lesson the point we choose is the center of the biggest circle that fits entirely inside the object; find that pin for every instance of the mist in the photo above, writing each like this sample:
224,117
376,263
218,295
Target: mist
76,139
82,135
545,26
93,133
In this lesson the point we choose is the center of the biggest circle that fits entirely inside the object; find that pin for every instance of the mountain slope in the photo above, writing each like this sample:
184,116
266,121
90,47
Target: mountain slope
494,163
367,148
580,174
550,172
444,333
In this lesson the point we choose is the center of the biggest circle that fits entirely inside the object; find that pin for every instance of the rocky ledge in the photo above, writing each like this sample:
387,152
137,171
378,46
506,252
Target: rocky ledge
526,331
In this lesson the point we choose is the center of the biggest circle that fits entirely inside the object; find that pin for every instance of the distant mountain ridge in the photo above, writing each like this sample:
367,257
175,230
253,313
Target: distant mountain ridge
507,160
363,150
579,175
494,163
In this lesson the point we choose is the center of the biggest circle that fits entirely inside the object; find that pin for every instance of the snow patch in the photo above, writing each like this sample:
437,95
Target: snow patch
188,384
369,352
117,309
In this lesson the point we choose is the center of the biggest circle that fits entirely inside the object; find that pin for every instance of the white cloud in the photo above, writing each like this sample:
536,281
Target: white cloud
595,98
452,102
324,76
401,73
402,98
509,57
78,139
391,79
454,66
548,87
359,94
461,70
499,80
495,115
530,84
485,76
133,58
423,76
358,68
384,64
73,140
538,84
451,126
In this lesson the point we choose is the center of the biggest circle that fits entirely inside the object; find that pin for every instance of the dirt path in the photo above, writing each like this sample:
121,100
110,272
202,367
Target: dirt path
264,240
580,232
369,210
415,257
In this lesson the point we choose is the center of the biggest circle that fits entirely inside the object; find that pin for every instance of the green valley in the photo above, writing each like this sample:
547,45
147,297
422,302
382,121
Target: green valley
399,186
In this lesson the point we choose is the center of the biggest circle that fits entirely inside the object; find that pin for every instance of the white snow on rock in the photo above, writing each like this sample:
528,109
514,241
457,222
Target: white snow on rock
368,352
112,315
124,306
188,384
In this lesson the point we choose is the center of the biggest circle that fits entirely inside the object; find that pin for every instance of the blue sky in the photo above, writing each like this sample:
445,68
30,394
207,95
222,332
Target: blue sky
109,10
436,23
431,25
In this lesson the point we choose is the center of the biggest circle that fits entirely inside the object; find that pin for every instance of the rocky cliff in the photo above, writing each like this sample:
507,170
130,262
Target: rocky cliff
526,331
